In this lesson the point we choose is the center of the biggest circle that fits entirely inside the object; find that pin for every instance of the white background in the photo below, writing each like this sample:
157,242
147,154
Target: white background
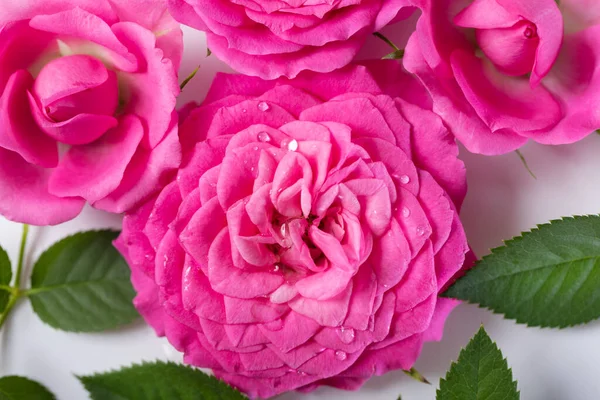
503,200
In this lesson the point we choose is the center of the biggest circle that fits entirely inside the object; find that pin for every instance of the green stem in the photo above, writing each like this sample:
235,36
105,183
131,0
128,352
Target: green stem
21,256
525,164
388,41
15,290
11,303
189,78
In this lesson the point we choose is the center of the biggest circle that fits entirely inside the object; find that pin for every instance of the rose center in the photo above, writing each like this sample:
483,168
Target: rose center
78,84
512,50
294,241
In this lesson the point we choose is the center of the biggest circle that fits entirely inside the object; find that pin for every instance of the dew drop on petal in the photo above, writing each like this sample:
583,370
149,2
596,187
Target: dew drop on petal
341,355
255,148
244,111
346,335
404,179
263,106
276,268
420,230
264,137
406,212
293,145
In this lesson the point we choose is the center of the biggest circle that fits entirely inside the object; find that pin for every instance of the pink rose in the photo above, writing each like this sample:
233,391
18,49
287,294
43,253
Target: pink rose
271,39
307,235
88,91
505,71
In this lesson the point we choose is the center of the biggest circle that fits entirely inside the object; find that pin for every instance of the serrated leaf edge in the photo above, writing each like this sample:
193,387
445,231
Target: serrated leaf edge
34,290
500,249
454,363
145,363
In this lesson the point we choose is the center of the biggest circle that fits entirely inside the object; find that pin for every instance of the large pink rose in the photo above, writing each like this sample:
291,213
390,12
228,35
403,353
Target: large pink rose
271,39
308,233
502,72
88,91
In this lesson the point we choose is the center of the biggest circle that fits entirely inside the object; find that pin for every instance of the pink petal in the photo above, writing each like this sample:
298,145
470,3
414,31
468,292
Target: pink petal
228,280
19,131
330,312
93,171
295,331
151,90
504,102
147,173
24,195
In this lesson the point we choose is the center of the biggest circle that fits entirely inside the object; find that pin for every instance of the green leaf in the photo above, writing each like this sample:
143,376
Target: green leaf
481,373
548,277
416,375
157,381
81,284
18,388
5,278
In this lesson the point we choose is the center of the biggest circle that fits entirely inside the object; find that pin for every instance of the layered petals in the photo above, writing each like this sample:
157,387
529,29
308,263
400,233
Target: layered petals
501,72
303,241
274,38
75,106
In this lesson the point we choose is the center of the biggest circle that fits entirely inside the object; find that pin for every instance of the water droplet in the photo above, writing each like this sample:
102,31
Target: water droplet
279,190
293,145
262,106
346,335
341,355
283,230
255,148
276,268
148,256
264,137
405,212
420,230
213,184
166,260
244,111
404,179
